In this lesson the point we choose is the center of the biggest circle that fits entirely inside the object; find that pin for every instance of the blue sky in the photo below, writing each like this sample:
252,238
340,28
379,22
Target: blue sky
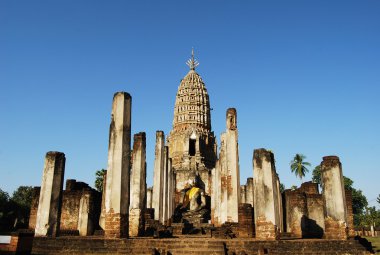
303,75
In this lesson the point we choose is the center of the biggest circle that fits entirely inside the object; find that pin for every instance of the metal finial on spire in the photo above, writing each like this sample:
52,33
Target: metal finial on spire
192,63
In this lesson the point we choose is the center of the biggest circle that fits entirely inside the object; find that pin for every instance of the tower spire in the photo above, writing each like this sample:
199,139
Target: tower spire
192,63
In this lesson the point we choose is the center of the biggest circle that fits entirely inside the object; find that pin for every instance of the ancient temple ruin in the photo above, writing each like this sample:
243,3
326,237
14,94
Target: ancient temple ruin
196,193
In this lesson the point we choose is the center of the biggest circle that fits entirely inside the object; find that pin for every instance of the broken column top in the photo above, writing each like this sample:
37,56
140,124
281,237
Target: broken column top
231,118
259,154
126,94
330,162
73,185
309,188
55,154
140,136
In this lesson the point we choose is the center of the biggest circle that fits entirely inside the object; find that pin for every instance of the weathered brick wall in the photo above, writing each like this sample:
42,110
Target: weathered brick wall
296,212
34,207
350,214
309,188
335,229
71,203
204,246
246,226
70,209
315,222
266,230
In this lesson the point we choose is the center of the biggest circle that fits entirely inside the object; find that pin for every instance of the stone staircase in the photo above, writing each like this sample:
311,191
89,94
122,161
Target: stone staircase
199,245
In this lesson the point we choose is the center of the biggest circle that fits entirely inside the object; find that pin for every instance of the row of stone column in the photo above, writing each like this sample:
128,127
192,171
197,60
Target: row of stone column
163,182
124,196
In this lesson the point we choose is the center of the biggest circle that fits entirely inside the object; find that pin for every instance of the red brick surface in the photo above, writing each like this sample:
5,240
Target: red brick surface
116,225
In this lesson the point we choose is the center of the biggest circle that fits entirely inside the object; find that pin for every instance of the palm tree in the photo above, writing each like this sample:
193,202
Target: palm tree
298,165
99,179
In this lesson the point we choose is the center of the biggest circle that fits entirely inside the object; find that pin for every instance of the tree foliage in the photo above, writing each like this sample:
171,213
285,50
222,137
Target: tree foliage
299,166
14,211
316,175
378,199
371,217
99,179
282,187
23,196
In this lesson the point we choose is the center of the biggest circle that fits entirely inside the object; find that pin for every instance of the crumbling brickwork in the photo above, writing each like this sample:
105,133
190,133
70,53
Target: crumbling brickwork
266,230
304,211
350,213
246,226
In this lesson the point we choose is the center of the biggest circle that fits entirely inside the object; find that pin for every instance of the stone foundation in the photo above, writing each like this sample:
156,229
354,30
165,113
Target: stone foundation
266,230
204,246
116,225
246,226
136,220
335,229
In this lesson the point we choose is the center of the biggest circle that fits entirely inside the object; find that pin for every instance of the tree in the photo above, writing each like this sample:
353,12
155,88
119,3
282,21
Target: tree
14,211
23,196
4,200
298,166
99,179
316,175
22,199
282,187
4,197
378,199
371,217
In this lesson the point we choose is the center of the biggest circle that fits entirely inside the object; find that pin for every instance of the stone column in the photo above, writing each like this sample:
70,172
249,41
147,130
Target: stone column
216,195
102,217
165,187
117,189
249,192
170,190
227,173
279,203
50,201
265,196
138,188
233,173
158,178
242,194
85,224
149,194
334,198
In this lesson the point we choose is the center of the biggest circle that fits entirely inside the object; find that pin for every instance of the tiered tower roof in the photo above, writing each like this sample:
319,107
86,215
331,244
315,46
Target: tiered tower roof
192,106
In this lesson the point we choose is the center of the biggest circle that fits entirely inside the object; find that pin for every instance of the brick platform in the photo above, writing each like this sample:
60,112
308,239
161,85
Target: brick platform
174,246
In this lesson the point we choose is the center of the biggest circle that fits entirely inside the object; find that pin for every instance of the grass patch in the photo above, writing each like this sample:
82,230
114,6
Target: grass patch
375,243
